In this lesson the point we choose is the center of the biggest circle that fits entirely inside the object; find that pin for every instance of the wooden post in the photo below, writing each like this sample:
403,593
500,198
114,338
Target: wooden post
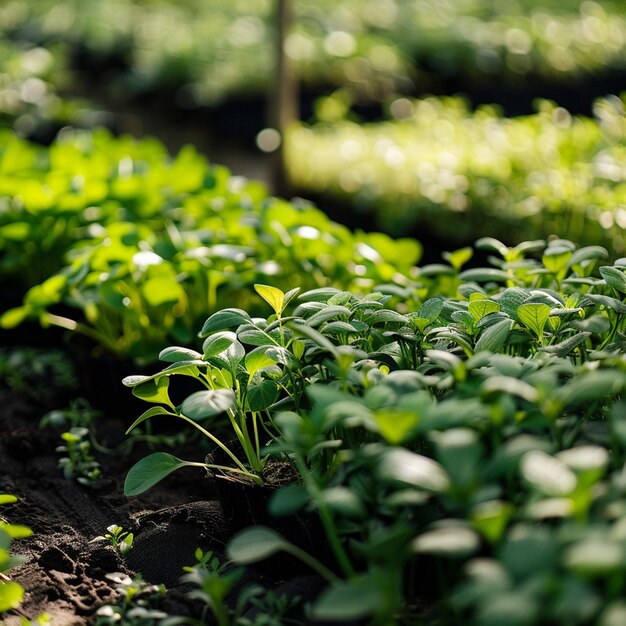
283,108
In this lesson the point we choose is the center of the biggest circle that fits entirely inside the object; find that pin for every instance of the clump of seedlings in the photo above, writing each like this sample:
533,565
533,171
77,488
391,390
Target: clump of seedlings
78,461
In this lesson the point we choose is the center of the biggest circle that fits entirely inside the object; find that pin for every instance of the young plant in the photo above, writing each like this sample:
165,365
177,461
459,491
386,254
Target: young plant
11,593
137,606
78,462
119,539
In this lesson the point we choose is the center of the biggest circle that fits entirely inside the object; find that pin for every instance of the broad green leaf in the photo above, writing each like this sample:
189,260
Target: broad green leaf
493,337
260,397
154,390
607,301
321,294
14,317
273,296
534,316
449,541
431,309
342,501
16,531
386,316
317,338
290,295
149,471
556,258
254,544
615,277
161,290
459,257
173,354
484,274
587,458
511,299
595,557
6,498
395,424
508,608
567,346
346,601
216,344
11,595
257,360
491,518
413,469
155,410
203,404
511,386
489,243
591,386
479,307
547,474
253,336
288,500
326,314
226,318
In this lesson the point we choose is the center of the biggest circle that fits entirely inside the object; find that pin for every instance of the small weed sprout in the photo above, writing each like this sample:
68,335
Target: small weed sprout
119,539
79,414
78,462
136,605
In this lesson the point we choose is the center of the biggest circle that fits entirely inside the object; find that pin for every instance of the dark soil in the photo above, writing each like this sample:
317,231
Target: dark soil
65,575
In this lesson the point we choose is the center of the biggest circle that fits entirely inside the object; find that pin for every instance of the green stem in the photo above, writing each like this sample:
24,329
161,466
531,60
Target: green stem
312,562
215,440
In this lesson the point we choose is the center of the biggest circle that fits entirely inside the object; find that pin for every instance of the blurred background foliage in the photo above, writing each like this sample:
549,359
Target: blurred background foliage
381,143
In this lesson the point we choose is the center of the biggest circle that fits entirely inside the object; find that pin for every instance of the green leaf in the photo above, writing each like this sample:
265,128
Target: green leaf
149,471
162,290
11,595
547,474
6,498
342,501
510,386
458,258
217,343
431,309
154,390
253,336
568,345
591,386
257,360
400,465
327,313
346,601
484,274
173,354
226,318
288,500
479,307
534,316
395,424
556,258
614,277
254,544
493,337
317,338
595,557
489,243
273,296
262,396
14,317
449,541
155,410
203,404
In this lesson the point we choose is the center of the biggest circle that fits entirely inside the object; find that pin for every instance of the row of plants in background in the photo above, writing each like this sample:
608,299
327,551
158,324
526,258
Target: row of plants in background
462,173
473,442
121,235
373,49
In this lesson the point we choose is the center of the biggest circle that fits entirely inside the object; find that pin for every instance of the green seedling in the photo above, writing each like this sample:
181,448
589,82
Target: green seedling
78,462
137,606
119,539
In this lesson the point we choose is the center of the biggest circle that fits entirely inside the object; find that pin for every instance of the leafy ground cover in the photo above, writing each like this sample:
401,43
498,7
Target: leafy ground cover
451,436
215,50
118,232
435,164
